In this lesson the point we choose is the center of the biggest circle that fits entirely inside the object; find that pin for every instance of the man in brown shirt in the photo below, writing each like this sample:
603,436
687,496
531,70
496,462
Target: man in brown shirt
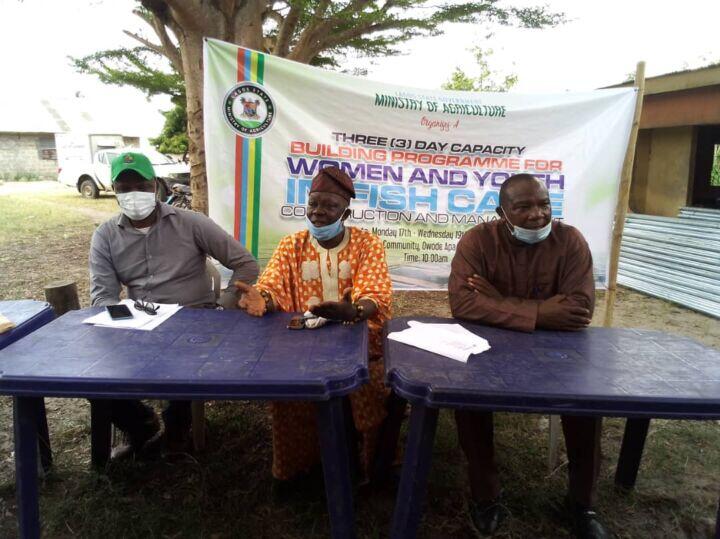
522,272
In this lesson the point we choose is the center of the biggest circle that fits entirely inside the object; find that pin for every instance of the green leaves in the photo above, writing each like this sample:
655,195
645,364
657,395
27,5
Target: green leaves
486,79
173,137
133,67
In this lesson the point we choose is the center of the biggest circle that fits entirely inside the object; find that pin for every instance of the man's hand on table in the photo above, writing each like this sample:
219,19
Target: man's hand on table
342,310
251,301
555,313
228,299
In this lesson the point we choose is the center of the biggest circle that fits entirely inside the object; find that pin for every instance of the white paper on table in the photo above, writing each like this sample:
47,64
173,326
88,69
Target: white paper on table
140,320
449,340
314,322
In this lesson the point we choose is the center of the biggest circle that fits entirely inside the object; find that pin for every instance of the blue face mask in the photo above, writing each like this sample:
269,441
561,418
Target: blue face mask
528,235
327,232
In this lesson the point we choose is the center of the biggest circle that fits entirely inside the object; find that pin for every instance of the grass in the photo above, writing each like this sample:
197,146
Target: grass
226,491
20,176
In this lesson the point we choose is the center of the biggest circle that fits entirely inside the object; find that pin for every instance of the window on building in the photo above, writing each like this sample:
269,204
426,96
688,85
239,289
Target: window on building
715,170
46,147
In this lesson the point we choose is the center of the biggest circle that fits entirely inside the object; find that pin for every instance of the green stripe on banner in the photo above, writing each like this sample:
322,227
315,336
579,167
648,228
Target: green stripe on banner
258,161
256,205
260,68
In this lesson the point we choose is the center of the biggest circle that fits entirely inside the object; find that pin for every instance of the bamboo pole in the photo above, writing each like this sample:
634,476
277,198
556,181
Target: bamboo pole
623,198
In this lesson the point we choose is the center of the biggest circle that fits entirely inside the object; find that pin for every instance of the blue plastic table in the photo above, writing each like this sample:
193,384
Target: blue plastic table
29,315
599,371
196,354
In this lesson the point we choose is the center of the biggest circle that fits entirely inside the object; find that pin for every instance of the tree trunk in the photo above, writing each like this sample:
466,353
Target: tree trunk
191,46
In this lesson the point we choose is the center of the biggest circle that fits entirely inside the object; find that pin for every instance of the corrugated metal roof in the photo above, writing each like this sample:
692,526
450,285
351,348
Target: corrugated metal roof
678,80
82,115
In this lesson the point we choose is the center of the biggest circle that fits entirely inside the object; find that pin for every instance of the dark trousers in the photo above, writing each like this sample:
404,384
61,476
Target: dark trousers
137,419
582,440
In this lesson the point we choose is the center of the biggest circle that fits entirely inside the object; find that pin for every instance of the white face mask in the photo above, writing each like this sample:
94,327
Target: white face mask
137,205
529,235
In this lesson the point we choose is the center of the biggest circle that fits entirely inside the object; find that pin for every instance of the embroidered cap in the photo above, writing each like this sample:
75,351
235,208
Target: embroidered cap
333,180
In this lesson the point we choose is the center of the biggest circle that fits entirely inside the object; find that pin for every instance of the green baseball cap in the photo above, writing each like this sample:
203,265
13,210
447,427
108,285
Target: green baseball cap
131,161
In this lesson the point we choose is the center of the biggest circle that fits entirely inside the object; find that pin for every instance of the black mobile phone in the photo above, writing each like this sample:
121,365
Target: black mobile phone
119,312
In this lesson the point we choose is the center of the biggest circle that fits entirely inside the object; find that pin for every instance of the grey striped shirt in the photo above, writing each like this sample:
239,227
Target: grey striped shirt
166,264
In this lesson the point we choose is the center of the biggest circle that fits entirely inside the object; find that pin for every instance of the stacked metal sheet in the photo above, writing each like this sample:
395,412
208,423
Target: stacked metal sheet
700,213
676,259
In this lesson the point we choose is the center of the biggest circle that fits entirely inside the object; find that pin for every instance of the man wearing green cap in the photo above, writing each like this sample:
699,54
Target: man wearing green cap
158,253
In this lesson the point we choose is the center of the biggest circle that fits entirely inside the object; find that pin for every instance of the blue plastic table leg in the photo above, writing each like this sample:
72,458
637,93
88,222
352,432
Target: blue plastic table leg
631,451
336,467
388,439
100,432
44,437
26,469
416,466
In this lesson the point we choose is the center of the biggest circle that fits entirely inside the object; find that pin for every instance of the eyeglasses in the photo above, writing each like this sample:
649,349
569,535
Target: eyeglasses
146,307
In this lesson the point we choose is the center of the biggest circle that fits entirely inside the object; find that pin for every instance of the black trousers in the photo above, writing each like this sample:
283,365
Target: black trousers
582,440
137,420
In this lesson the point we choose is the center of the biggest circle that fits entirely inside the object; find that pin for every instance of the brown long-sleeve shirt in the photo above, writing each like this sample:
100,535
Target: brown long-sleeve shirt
518,276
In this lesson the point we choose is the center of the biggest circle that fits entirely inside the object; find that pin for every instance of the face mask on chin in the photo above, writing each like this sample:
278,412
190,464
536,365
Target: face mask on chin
327,232
136,205
528,235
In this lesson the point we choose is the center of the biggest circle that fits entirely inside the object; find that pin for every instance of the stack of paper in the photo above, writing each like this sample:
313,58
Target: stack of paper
140,320
449,340
5,324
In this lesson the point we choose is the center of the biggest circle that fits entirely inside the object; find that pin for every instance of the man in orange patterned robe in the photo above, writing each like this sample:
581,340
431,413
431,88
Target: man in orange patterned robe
340,273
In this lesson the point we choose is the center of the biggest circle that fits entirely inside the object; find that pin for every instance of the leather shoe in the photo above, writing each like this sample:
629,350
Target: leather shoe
145,444
587,525
122,452
486,516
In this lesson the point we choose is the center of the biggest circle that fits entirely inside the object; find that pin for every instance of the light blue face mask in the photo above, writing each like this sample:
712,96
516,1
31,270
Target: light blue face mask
327,232
528,235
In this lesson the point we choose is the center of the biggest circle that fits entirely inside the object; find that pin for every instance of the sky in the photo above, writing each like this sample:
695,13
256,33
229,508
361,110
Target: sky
598,46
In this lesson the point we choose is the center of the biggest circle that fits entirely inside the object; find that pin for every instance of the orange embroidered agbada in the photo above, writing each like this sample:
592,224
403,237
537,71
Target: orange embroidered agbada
300,274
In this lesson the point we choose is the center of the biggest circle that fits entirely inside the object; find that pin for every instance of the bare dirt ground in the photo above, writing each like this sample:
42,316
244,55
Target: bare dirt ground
226,491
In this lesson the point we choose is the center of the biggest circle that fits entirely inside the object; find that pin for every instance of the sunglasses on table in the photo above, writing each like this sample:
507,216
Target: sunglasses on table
146,307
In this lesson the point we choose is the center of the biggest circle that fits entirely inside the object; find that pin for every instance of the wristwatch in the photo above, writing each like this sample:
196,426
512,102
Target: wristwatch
268,299
359,314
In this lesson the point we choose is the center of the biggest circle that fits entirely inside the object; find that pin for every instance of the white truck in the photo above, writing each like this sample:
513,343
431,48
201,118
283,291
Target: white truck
90,178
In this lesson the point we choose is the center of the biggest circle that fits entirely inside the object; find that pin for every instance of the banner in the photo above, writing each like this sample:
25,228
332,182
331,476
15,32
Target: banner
427,164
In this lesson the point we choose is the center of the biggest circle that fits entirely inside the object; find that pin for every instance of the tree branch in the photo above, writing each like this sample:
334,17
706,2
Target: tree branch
190,15
169,49
149,44
314,41
286,31
172,51
307,36
273,15
248,24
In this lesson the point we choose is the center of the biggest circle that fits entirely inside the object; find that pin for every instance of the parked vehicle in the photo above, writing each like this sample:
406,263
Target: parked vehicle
180,196
92,178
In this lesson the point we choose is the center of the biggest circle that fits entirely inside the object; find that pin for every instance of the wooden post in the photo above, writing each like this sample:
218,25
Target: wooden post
555,428
63,296
623,198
